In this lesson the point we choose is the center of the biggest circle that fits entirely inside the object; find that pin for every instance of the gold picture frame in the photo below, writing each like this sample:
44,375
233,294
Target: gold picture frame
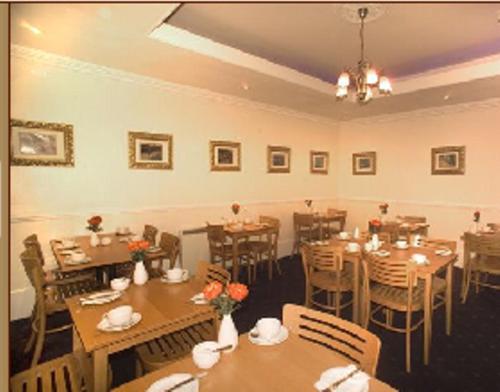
278,159
35,143
448,160
148,150
319,161
225,155
364,163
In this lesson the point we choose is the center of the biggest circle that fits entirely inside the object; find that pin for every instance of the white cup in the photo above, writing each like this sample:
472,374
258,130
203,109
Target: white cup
120,316
401,244
78,256
344,235
120,284
268,328
352,247
105,241
368,247
177,274
419,258
203,355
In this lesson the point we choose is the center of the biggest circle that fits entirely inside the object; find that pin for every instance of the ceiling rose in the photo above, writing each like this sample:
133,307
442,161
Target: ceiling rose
349,12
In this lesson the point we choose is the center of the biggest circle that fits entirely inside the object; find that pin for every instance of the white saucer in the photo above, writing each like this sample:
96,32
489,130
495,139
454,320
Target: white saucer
106,327
166,383
401,247
382,253
199,299
68,261
280,338
164,279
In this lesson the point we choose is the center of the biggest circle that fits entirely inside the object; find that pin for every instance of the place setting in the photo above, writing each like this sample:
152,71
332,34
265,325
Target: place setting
119,319
101,297
175,275
343,379
268,332
76,257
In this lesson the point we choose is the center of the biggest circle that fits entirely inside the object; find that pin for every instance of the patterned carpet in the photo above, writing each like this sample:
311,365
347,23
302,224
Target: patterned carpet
465,361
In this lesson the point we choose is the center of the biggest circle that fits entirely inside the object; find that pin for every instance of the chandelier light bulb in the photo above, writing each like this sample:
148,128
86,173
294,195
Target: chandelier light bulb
343,80
371,77
341,92
384,85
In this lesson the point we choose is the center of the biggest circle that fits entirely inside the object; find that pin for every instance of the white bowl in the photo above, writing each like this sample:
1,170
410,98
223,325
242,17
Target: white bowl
203,355
268,328
78,256
344,235
401,244
419,258
120,316
105,241
120,284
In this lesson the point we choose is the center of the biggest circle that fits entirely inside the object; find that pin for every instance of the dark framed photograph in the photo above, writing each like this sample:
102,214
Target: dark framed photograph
448,160
41,144
225,156
319,162
364,163
149,150
278,159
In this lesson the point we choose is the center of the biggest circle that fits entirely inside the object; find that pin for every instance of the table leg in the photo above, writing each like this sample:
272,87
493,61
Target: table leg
100,359
269,257
449,296
355,293
77,342
427,318
236,266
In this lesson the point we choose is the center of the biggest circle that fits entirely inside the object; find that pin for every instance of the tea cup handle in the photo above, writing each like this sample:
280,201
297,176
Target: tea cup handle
185,273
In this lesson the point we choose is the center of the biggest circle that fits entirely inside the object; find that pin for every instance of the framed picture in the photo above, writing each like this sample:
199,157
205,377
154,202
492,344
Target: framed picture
41,144
364,163
278,159
448,160
225,156
319,162
149,150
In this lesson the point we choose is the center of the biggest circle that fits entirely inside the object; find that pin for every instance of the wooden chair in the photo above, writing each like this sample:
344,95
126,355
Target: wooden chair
158,352
325,272
149,234
493,226
208,273
221,250
49,299
393,286
262,247
332,226
63,374
304,229
412,220
484,262
354,343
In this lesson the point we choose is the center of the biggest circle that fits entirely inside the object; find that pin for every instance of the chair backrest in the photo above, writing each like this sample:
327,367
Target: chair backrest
494,226
149,234
349,340
334,211
34,270
486,245
303,220
270,220
208,272
396,273
412,218
31,242
440,243
216,235
171,245
392,229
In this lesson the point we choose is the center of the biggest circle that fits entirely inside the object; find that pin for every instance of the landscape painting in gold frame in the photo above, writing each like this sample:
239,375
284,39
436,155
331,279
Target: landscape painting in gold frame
225,156
278,159
36,143
448,160
149,150
319,162
364,163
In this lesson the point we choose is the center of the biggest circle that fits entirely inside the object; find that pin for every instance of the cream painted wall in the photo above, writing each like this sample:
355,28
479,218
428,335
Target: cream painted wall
403,144
55,202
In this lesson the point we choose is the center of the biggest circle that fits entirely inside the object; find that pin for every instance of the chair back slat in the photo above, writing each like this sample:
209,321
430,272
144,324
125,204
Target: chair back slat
149,234
208,273
343,337
485,245
412,218
397,273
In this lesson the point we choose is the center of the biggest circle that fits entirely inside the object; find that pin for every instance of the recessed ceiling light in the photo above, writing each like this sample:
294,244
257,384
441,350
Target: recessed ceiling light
446,97
245,86
30,27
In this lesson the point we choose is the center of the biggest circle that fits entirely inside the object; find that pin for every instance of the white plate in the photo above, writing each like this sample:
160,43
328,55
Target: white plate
168,382
382,253
105,326
86,260
280,338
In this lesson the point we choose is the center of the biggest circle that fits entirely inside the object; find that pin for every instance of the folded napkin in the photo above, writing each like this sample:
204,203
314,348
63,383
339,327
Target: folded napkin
357,383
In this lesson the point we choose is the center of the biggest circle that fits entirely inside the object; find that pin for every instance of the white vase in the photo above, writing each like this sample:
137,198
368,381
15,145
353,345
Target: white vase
94,239
140,273
228,335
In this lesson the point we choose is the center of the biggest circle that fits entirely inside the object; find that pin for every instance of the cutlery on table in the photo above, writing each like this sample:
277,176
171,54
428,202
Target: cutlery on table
223,348
342,380
187,381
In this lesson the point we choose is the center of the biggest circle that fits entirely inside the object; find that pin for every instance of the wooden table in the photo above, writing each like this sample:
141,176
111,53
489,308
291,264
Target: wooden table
164,308
102,256
294,365
237,233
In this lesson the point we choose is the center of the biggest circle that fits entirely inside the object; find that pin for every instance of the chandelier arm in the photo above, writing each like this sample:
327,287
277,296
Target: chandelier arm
361,36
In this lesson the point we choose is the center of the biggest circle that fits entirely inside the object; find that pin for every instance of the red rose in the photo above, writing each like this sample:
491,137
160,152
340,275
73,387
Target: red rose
212,290
237,291
95,221
143,245
132,246
235,208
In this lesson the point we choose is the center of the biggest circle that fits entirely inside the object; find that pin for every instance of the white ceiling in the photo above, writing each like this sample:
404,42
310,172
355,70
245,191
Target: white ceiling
310,38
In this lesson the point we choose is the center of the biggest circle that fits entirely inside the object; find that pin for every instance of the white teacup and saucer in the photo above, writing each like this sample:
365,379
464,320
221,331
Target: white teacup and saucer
176,275
267,332
119,319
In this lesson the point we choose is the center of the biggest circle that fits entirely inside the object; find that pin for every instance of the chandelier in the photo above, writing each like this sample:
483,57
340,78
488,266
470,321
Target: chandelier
364,80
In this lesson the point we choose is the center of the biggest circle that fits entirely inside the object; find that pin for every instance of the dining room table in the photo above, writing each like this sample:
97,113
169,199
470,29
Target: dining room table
164,308
241,231
102,257
293,365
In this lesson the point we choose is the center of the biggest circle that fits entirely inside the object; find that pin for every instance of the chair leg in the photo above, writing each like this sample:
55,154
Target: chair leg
408,342
31,339
476,280
42,327
337,303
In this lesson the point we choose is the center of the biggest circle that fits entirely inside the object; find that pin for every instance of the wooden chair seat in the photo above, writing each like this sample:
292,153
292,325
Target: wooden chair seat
158,352
325,280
